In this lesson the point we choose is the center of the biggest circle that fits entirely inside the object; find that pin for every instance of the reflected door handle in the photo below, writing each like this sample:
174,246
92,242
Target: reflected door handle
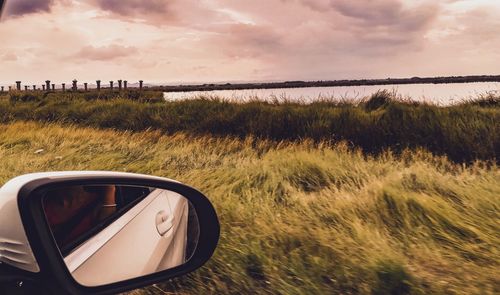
164,222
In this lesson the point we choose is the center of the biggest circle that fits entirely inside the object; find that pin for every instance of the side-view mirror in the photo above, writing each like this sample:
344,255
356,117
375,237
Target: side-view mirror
94,232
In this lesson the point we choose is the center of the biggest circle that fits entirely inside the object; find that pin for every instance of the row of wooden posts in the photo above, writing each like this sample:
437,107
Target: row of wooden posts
48,86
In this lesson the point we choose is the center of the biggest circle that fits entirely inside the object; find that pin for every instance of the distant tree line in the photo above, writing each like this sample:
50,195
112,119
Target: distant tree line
361,82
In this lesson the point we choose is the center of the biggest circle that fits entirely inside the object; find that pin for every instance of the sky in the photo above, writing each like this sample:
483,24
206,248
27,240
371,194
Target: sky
199,41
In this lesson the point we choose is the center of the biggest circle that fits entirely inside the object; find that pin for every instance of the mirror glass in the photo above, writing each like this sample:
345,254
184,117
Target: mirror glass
111,233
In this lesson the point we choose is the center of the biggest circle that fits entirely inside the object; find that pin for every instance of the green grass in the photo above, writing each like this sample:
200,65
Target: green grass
302,217
464,132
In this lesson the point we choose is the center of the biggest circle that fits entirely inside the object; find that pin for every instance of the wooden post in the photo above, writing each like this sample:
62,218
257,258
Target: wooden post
140,84
25,87
43,87
34,87
63,87
125,85
18,85
75,87
98,82
85,86
53,87
119,85
111,85
2,88
47,85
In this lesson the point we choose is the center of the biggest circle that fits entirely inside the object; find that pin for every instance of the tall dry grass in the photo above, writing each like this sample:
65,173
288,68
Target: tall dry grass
302,217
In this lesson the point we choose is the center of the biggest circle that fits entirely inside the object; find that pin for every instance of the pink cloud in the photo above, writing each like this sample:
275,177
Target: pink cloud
10,56
105,53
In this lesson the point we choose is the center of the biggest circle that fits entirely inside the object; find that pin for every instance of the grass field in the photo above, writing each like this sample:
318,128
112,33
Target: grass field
302,217
464,132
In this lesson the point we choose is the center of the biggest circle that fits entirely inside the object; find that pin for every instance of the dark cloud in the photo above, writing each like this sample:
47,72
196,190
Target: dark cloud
15,8
377,16
174,13
389,13
379,26
154,12
134,7
104,53
379,12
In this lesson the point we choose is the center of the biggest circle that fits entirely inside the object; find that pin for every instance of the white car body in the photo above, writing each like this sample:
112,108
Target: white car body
16,251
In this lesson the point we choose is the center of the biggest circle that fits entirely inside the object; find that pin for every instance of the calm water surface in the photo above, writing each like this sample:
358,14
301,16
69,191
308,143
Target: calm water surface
442,94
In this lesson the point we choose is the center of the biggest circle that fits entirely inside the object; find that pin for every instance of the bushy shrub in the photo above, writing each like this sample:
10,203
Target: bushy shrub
379,99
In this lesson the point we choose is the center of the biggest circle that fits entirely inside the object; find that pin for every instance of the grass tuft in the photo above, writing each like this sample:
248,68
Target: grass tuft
392,279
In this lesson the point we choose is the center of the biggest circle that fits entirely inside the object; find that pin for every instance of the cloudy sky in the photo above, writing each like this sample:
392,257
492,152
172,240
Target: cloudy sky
177,41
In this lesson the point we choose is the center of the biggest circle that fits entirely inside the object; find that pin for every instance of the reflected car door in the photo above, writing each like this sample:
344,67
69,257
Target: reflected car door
150,236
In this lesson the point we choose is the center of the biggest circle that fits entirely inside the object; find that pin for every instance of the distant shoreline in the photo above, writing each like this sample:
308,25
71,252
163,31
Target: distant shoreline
332,83
286,84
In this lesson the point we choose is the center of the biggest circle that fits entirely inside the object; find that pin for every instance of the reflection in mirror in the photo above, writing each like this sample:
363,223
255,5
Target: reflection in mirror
111,233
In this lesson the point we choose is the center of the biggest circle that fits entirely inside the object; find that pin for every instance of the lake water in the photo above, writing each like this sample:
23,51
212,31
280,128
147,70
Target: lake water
442,94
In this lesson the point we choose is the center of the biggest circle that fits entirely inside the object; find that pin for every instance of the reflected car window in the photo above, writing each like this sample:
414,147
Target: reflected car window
77,213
